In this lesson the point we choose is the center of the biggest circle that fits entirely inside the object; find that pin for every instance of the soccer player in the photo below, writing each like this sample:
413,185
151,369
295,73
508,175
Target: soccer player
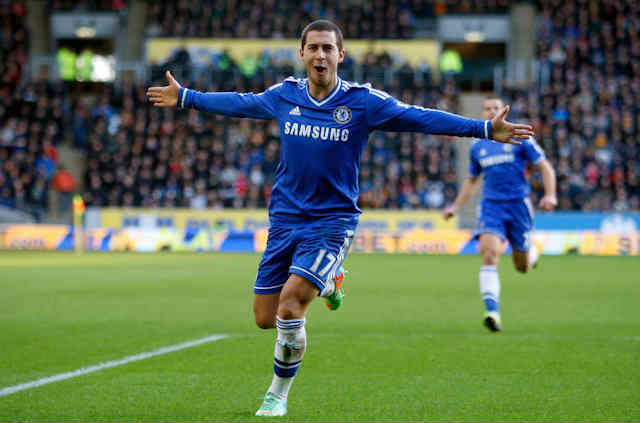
325,123
506,211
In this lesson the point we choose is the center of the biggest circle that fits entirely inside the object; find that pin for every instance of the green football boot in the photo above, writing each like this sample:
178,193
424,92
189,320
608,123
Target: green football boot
272,405
334,301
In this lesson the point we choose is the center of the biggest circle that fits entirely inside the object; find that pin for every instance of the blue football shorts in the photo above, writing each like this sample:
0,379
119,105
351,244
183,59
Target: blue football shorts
509,219
314,250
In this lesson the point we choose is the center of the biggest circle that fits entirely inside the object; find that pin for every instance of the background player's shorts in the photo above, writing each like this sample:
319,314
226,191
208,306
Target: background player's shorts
509,219
314,251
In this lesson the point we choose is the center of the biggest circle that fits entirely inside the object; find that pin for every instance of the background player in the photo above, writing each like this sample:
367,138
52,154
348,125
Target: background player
325,123
505,211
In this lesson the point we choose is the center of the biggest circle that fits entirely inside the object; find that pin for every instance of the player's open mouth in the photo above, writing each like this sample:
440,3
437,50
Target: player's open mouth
320,69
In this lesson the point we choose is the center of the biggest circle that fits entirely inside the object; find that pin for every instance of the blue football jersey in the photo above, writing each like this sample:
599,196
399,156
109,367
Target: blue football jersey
504,166
322,140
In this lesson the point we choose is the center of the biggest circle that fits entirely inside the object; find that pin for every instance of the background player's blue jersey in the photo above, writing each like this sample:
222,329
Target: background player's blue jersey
322,140
504,166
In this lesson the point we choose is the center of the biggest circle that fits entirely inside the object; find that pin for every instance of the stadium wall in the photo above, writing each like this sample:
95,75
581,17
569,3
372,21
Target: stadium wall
380,232
242,219
159,50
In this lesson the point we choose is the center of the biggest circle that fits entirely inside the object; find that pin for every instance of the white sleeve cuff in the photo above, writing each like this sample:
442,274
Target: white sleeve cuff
184,96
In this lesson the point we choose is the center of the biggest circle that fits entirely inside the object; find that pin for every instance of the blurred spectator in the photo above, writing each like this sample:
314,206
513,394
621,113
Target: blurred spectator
64,185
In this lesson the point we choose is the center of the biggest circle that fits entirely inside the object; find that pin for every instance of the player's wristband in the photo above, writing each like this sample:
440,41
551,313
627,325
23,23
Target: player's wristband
488,131
182,97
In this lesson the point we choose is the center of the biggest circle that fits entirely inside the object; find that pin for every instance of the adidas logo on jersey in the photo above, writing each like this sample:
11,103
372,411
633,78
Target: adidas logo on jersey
295,111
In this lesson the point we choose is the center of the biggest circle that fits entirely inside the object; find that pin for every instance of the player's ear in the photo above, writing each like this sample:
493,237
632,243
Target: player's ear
340,56
301,52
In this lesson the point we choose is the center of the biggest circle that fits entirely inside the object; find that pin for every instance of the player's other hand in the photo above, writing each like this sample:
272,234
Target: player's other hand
548,202
449,212
166,96
507,132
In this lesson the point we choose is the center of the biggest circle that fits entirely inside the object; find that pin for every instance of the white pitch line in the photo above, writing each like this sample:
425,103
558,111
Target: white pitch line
86,370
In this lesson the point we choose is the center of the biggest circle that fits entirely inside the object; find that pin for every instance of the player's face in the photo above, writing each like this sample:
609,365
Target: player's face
321,56
491,107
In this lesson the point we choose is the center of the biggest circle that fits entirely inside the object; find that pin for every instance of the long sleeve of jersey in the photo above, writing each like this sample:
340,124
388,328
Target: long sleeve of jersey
532,151
385,113
249,105
474,166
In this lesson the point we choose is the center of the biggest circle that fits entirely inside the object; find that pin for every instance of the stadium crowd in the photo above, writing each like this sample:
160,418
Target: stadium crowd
29,123
585,107
87,5
272,19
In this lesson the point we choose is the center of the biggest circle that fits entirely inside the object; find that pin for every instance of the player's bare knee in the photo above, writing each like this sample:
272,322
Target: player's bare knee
490,257
288,313
290,308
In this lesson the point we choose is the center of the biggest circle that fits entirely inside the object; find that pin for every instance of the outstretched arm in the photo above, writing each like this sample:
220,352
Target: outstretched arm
549,201
388,114
257,106
468,188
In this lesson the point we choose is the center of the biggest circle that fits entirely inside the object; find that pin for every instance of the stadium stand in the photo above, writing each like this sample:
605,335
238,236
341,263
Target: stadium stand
271,19
29,119
87,5
585,103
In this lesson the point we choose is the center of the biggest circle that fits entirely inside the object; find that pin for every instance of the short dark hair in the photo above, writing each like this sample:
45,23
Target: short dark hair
322,25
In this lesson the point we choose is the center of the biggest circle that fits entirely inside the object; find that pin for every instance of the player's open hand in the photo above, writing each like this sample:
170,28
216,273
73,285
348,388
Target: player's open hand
507,132
548,202
165,96
449,212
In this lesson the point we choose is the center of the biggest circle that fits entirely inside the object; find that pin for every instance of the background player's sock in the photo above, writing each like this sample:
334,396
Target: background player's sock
290,346
490,287
533,255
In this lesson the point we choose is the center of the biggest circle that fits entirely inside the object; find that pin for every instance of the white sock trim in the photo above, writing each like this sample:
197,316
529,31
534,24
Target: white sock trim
489,282
329,288
290,324
533,255
488,268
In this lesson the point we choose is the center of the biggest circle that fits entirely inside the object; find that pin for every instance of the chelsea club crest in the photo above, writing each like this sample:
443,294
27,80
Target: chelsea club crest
342,114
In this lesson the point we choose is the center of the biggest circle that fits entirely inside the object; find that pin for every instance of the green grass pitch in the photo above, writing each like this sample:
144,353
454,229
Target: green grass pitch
408,344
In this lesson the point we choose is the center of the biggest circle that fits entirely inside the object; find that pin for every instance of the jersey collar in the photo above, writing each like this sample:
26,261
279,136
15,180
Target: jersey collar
327,98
